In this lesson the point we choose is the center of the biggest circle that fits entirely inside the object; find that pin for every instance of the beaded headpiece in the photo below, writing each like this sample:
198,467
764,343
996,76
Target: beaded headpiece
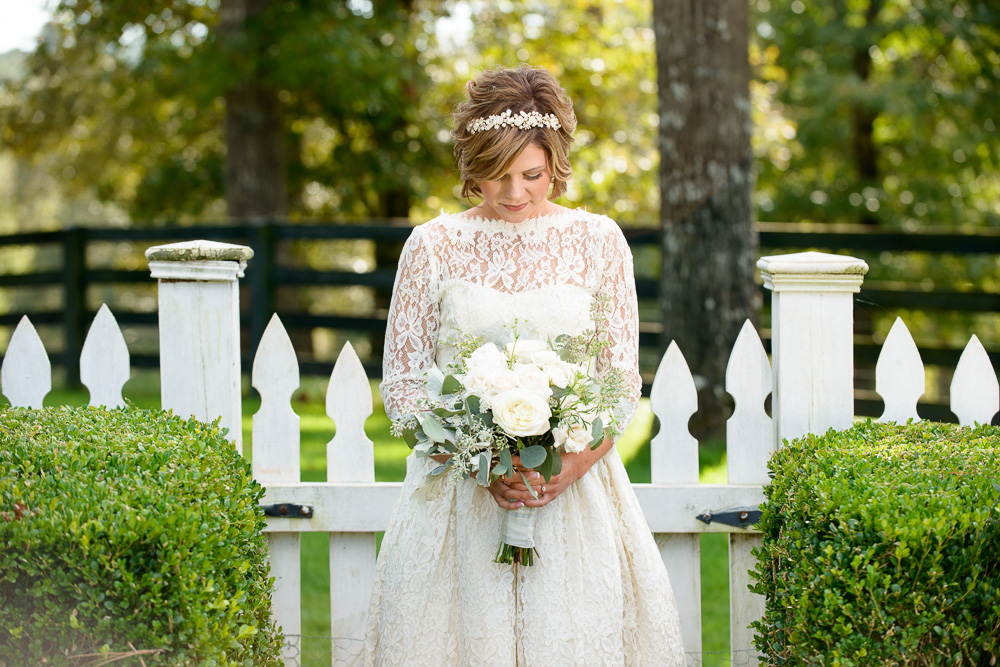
522,121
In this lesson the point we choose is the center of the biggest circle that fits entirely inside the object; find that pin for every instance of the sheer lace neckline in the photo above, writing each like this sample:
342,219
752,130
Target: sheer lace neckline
529,225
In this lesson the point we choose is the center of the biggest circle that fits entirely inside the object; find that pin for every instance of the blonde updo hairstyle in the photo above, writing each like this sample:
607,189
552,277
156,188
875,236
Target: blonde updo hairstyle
488,154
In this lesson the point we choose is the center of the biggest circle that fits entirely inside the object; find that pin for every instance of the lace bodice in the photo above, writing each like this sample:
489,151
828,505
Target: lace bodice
476,276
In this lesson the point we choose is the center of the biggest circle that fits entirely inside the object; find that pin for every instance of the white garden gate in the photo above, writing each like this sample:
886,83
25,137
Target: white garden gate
810,376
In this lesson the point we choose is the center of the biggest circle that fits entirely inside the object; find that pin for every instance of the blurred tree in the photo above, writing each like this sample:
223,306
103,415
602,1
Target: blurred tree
317,97
709,245
879,111
255,147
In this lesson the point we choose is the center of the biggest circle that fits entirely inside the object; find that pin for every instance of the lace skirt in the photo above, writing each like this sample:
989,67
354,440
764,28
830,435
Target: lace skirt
598,593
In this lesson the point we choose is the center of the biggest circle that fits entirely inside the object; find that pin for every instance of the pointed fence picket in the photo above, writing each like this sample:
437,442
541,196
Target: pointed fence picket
749,445
26,375
975,393
350,458
899,375
351,507
104,361
673,398
276,437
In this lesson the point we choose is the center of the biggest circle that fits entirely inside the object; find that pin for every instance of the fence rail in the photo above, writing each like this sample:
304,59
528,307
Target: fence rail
267,276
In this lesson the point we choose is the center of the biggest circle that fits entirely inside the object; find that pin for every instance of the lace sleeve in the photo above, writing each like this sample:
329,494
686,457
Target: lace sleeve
411,329
617,283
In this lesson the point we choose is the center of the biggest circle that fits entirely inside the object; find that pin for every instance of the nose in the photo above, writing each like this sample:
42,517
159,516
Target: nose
515,188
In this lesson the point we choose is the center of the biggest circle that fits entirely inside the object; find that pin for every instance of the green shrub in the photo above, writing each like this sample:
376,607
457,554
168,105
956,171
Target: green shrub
129,531
881,546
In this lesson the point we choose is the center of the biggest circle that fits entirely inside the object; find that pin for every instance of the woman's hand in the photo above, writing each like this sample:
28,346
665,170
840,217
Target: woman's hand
511,492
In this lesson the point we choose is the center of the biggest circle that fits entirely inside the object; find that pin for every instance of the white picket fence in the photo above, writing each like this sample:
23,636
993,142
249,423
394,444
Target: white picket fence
811,383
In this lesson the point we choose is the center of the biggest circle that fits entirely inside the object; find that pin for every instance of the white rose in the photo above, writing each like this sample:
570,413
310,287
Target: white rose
489,382
521,413
575,439
559,373
543,357
532,379
487,357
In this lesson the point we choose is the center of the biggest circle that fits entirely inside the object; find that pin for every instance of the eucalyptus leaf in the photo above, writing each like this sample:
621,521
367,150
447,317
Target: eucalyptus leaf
451,385
483,475
545,467
533,456
528,484
410,438
473,404
597,431
433,429
434,380
506,460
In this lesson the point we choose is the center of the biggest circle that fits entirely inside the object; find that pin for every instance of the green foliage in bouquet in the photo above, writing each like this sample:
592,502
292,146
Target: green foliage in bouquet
129,533
881,546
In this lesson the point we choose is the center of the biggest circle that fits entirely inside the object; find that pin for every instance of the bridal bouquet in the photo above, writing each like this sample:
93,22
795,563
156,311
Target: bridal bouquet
533,398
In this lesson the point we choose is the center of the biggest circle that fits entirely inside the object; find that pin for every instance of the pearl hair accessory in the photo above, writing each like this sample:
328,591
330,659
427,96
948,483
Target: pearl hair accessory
522,121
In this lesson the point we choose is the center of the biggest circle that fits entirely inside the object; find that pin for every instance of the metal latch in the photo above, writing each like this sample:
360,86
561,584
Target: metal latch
288,510
741,517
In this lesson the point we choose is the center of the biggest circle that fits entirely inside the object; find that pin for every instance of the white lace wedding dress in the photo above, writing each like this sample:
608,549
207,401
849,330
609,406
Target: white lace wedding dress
598,593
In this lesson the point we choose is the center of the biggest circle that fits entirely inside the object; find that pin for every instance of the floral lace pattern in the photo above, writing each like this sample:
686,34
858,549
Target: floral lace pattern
478,276
598,593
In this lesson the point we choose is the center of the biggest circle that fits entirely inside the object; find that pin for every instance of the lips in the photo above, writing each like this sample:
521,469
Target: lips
515,209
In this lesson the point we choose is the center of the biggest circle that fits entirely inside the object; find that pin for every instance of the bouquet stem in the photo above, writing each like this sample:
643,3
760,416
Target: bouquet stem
517,540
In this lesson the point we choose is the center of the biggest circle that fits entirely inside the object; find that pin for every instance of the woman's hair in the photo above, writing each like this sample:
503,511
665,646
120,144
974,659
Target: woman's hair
486,154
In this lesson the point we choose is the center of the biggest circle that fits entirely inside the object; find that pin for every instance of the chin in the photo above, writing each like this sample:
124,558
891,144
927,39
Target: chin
505,214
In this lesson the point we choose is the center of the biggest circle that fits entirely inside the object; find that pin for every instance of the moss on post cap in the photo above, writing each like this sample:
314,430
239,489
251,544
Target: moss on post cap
189,251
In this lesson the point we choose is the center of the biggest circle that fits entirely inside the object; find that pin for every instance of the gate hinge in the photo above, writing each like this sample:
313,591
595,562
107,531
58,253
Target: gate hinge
741,517
288,510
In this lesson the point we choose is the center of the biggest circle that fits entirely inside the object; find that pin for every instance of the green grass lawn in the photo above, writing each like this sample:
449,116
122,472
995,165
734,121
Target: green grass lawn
318,429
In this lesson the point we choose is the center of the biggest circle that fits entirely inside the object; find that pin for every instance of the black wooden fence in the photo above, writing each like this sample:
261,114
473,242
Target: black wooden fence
266,276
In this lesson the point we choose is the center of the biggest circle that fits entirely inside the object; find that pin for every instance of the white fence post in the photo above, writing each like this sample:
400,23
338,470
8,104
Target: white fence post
812,340
200,330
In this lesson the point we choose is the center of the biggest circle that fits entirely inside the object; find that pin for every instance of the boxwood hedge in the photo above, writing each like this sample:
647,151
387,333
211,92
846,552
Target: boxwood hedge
881,546
129,532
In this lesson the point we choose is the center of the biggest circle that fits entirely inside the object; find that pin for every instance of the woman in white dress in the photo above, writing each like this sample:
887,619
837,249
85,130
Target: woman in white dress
597,593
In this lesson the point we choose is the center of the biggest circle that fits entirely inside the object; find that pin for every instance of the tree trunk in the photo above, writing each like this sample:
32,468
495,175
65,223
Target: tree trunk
255,162
863,118
709,245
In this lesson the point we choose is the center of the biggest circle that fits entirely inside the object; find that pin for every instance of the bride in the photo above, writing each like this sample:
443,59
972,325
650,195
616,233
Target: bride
598,593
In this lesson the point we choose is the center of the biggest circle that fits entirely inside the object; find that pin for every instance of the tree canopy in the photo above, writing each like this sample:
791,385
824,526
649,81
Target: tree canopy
132,100
878,111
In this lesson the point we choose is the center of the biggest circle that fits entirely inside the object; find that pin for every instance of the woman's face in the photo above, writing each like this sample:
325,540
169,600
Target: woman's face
521,192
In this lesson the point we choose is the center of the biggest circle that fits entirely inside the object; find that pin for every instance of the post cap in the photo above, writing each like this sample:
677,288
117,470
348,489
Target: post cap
193,251
202,261
812,272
